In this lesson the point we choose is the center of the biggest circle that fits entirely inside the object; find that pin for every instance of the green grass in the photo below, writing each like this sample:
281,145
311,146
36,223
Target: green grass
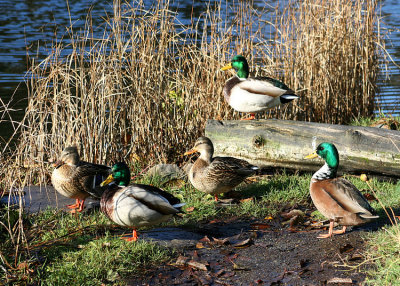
86,250
106,260
83,249
384,245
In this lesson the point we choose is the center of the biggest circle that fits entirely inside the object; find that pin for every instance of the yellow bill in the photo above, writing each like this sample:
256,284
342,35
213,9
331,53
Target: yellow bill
109,179
227,67
311,156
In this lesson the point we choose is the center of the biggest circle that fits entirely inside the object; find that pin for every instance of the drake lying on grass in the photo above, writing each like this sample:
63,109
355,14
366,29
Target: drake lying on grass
337,198
135,205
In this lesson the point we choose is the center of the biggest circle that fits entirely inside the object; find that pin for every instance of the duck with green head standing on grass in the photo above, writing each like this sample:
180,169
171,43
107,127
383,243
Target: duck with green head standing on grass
253,94
135,205
335,197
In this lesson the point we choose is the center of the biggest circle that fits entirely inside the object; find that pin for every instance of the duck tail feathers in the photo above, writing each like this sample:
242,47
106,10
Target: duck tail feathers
285,98
369,216
178,206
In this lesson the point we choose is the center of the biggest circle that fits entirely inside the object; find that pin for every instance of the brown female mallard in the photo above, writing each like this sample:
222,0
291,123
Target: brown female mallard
335,197
135,205
219,174
75,179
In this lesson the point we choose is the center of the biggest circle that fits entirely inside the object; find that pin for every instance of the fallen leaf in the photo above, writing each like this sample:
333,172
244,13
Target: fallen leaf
244,243
204,279
239,267
340,280
293,213
224,241
189,210
199,245
347,248
205,239
219,273
181,260
246,200
294,221
370,197
184,261
356,256
259,226
198,265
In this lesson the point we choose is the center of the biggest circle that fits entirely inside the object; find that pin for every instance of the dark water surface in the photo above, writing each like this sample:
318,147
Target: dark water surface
25,23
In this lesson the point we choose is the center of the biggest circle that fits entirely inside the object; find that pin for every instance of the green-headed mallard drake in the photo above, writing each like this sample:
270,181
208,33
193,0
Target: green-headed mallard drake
75,179
219,174
253,94
135,205
337,198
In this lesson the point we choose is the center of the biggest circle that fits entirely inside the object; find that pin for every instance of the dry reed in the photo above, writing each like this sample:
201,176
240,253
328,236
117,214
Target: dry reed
145,89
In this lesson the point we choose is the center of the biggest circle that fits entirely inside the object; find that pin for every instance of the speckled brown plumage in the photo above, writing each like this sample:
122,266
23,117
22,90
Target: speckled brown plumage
217,175
74,178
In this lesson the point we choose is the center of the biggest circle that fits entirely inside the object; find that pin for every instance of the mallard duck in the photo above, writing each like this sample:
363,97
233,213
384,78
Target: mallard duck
75,179
135,205
335,197
253,94
219,174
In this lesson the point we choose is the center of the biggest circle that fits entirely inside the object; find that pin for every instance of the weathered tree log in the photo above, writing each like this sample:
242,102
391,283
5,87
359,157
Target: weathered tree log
285,143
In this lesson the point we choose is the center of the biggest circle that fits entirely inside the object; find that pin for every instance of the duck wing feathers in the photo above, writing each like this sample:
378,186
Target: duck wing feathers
264,86
348,196
226,165
84,169
90,177
154,198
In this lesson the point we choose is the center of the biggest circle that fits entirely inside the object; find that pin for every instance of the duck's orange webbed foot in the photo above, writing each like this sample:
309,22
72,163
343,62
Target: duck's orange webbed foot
343,230
330,232
251,117
134,237
78,207
74,206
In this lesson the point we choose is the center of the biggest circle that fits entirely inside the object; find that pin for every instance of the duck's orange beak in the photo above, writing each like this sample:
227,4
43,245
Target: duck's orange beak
194,150
58,164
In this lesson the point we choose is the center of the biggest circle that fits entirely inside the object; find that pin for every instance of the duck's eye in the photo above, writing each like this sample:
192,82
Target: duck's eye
320,148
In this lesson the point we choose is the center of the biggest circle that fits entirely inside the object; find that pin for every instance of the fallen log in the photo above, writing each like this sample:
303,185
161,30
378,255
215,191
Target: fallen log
285,143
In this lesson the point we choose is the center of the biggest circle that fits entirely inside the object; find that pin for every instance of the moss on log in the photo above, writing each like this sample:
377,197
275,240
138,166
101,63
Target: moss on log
285,143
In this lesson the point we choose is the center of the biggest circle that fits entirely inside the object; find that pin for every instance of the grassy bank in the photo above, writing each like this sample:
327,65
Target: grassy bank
143,91
74,249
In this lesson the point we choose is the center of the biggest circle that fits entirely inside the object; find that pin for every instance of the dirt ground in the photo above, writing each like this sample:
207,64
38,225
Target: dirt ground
244,254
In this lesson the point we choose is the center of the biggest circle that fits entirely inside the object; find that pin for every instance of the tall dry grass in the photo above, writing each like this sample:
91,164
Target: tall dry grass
145,88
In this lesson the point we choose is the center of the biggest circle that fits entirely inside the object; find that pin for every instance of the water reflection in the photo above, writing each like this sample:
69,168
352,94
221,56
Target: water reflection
32,24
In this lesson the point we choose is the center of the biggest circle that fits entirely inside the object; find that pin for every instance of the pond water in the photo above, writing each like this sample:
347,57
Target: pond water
25,23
